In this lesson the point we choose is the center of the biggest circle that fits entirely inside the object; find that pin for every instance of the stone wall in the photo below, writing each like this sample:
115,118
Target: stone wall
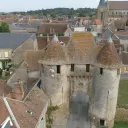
104,95
61,86
68,32
55,85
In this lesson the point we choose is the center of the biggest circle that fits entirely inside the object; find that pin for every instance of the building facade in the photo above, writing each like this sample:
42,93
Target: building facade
111,10
75,68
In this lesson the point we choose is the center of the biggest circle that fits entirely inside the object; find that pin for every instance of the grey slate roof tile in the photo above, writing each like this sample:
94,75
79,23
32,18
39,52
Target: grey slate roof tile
12,40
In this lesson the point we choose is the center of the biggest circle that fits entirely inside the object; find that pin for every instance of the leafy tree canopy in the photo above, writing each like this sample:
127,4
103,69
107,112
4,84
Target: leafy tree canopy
4,27
70,12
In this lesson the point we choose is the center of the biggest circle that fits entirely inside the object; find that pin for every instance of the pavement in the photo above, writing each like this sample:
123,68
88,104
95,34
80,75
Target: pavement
78,117
124,76
60,116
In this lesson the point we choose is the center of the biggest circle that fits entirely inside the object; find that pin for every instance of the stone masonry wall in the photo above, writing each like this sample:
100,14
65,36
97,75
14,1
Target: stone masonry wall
104,94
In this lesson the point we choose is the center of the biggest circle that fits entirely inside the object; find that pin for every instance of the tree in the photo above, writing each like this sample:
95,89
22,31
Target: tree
4,27
53,15
81,15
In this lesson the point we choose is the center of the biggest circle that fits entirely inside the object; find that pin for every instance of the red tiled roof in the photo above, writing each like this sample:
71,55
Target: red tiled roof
83,40
34,102
3,111
58,28
120,24
96,22
42,41
118,5
32,57
54,54
108,55
4,89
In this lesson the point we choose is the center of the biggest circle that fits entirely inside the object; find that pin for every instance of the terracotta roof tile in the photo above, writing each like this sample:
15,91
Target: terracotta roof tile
120,24
54,54
96,22
4,89
42,41
118,5
84,41
74,54
34,102
3,111
80,47
32,57
58,28
108,56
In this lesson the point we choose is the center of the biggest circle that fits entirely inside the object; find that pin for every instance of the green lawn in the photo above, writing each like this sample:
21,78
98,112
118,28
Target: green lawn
123,94
121,125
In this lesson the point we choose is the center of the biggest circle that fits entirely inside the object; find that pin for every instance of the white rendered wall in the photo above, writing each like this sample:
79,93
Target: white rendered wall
55,85
104,94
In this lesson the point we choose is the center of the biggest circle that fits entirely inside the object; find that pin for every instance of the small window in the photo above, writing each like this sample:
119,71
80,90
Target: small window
102,122
101,71
6,54
118,71
87,67
72,67
58,69
0,54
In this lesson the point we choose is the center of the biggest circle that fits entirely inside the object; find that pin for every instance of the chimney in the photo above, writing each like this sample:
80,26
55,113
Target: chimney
18,90
50,30
48,40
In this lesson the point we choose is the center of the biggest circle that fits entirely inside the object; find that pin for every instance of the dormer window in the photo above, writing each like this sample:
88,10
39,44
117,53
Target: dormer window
72,67
58,69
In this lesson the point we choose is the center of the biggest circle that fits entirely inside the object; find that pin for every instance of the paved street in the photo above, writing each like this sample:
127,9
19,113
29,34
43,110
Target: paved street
79,111
124,76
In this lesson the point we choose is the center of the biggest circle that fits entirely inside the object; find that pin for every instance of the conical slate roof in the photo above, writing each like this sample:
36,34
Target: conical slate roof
108,56
102,3
54,54
55,39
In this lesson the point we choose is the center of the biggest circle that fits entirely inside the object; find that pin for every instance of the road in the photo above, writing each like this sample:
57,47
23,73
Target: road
79,111
124,76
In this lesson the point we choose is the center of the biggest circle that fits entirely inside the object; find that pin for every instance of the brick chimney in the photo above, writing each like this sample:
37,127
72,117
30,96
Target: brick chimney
18,90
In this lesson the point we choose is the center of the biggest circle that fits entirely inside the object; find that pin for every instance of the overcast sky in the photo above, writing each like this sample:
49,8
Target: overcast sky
25,5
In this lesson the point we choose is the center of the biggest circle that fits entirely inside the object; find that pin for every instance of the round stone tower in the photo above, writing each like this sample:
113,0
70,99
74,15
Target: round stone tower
105,87
53,73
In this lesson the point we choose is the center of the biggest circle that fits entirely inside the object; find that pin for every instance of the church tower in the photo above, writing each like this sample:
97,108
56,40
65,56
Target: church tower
102,12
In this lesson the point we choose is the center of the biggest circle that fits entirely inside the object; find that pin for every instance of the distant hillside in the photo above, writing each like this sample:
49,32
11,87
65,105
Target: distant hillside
70,12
